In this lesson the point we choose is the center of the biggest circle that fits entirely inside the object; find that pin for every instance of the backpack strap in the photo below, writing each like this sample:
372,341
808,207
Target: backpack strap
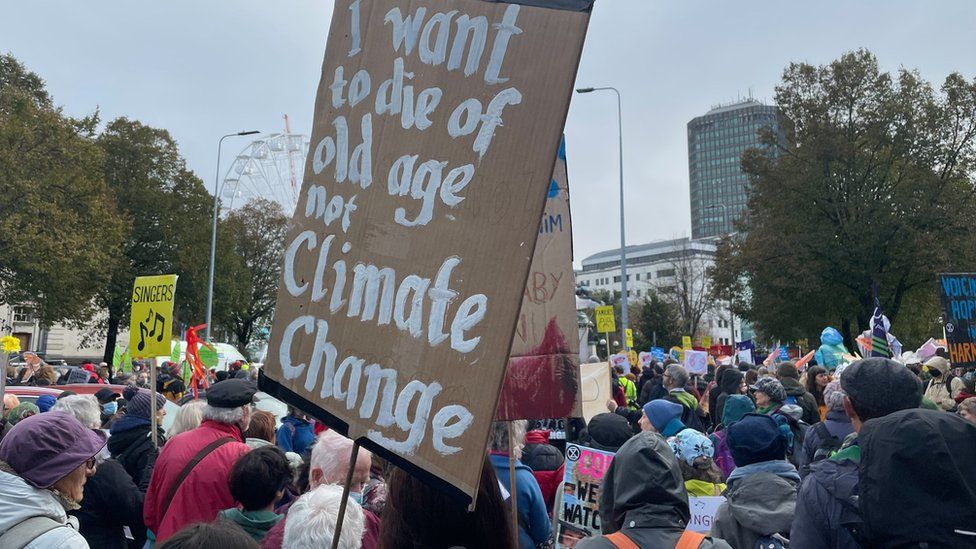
690,540
26,531
187,469
621,541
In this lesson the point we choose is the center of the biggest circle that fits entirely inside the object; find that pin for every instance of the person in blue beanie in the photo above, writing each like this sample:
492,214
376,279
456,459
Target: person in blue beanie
761,497
662,416
44,402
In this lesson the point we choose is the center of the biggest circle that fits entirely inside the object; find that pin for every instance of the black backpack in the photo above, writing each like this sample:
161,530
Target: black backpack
828,443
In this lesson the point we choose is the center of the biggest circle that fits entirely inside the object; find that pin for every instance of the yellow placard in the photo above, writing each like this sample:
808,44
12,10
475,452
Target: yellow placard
686,342
706,341
151,317
632,356
604,319
630,338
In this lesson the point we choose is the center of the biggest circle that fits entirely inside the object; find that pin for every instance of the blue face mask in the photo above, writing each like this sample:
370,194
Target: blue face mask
357,497
109,408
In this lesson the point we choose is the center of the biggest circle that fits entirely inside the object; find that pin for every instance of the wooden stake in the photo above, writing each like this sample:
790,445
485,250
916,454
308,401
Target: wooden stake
345,494
512,484
152,400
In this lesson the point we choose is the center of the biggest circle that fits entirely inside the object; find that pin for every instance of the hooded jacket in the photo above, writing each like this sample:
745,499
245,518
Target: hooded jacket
295,435
826,507
832,350
756,505
533,518
838,425
606,431
915,462
644,497
131,445
547,464
255,523
22,501
806,401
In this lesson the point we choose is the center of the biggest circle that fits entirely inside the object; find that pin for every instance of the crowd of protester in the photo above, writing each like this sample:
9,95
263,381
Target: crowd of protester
872,453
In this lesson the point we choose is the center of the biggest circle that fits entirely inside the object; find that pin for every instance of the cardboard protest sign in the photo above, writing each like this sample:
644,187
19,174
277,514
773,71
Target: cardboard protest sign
595,388
542,378
435,131
577,513
703,509
658,353
151,317
645,358
686,342
696,362
958,293
620,359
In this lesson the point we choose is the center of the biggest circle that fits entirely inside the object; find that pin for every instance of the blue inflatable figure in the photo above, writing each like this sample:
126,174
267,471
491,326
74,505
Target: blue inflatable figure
831,352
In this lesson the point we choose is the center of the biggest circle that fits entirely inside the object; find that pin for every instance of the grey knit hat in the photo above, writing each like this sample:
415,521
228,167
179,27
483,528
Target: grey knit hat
141,404
772,388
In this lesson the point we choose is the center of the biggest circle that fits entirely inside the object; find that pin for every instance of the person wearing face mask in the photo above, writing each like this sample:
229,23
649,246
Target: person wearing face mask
329,464
109,407
45,461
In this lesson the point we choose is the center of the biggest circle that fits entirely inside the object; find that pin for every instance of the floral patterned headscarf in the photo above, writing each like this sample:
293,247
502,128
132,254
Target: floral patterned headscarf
689,445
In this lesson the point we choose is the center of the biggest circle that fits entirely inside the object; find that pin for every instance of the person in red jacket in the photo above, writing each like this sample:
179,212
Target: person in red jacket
189,482
547,464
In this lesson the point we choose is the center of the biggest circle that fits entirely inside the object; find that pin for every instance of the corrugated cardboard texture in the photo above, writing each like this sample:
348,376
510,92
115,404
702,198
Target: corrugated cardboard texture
419,212
542,379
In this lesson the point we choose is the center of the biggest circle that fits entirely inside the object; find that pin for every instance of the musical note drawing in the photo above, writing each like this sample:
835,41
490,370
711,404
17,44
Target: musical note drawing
158,321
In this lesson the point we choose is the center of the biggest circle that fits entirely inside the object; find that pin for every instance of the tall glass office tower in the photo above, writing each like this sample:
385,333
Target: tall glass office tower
715,145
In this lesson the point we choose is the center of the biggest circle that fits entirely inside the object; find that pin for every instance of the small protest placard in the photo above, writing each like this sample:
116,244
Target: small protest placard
703,509
577,508
151,317
696,362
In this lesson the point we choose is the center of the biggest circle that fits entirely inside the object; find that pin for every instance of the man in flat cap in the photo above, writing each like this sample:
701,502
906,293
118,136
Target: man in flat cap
189,482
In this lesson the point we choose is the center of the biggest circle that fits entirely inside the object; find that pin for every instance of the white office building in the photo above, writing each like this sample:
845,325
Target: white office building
663,266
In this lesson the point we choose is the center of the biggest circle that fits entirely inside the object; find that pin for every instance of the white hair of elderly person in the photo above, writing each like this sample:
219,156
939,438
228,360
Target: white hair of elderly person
312,520
88,412
329,462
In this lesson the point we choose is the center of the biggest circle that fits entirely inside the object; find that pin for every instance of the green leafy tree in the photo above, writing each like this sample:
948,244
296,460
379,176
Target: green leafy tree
872,187
257,232
58,221
168,215
656,318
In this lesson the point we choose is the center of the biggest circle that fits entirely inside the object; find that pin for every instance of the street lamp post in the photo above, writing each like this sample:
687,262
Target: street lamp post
725,215
213,232
623,240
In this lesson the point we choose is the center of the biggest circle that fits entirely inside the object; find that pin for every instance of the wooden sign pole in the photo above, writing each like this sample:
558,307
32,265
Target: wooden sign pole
345,494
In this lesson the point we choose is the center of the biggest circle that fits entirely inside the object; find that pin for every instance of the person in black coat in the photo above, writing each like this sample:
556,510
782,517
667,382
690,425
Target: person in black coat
112,502
652,387
131,441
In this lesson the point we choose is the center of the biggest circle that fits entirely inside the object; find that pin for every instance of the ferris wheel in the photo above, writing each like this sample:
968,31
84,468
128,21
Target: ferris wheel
269,167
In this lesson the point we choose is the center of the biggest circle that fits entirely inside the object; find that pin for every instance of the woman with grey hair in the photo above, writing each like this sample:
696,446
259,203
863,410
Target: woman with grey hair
826,437
534,525
112,500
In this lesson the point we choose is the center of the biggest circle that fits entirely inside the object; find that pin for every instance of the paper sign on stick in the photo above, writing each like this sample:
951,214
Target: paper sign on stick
696,362
956,291
542,378
436,125
604,319
151,317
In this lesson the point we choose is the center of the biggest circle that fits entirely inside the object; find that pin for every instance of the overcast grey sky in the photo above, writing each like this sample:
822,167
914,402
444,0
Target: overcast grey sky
205,68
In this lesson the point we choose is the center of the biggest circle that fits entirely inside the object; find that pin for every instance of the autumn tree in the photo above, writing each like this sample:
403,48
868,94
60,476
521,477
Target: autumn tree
873,186
58,222
167,214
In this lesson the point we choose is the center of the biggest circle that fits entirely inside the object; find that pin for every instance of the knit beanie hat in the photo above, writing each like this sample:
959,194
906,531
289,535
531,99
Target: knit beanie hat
772,388
22,411
834,396
787,369
660,412
44,402
736,406
141,404
755,438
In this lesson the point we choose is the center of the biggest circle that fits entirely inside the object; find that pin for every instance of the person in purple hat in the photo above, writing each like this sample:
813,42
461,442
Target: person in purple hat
45,461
